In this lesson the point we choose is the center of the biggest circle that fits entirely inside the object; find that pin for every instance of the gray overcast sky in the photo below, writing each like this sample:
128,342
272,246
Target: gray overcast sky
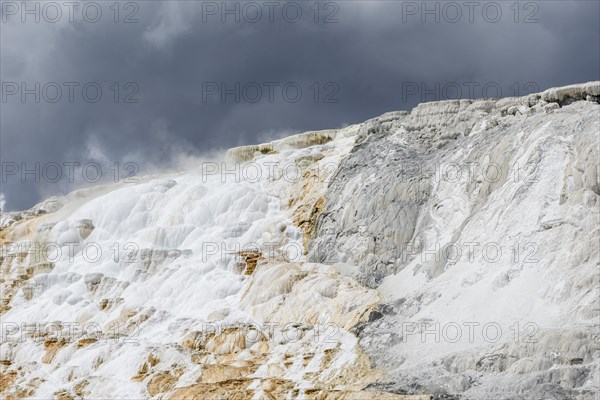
352,60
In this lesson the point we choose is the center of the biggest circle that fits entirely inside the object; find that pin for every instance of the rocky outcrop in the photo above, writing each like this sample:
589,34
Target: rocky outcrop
476,212
447,252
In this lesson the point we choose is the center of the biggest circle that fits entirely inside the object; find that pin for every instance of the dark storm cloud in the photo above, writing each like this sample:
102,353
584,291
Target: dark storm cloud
377,57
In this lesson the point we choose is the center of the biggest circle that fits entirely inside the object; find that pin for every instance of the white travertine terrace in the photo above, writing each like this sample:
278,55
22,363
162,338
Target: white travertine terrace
320,272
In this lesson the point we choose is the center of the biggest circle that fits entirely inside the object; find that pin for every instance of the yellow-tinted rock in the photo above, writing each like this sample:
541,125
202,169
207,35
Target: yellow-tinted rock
52,347
161,382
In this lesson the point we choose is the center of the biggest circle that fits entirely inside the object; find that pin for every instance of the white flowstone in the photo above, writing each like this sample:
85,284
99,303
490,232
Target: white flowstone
410,215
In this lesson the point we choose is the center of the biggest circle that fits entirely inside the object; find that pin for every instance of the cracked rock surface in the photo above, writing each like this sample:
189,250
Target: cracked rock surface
478,222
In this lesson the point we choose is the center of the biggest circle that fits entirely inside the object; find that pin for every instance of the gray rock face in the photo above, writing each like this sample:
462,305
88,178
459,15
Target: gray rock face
476,212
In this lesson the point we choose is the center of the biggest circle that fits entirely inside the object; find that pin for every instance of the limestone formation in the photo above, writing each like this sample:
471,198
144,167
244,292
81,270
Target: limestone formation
447,252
